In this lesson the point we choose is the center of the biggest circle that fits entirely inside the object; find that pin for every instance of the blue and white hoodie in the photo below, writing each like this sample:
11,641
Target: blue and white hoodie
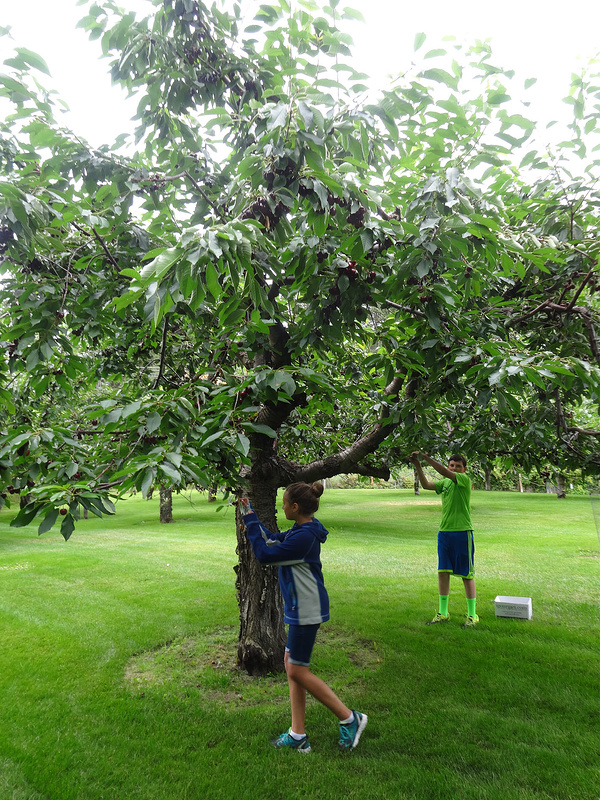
297,552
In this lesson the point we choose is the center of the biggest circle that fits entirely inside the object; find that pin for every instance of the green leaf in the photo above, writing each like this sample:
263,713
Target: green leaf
48,521
67,527
498,98
212,280
112,417
33,360
212,438
258,428
432,316
306,114
27,514
33,59
282,380
419,41
147,481
159,266
88,503
441,76
170,471
6,400
131,408
278,117
153,422
534,377
242,444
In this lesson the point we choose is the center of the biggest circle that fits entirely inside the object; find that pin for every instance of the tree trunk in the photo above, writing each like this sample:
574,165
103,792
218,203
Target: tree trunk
416,483
212,494
561,486
488,479
166,504
261,642
520,482
262,638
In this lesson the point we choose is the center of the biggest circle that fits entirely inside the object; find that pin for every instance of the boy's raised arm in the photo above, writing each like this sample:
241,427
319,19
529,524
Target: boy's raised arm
441,468
423,479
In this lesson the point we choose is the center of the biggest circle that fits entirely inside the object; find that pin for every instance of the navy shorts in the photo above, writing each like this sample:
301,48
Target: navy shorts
456,553
300,642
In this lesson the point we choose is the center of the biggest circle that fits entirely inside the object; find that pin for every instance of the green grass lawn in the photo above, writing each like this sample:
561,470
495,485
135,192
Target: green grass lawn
118,677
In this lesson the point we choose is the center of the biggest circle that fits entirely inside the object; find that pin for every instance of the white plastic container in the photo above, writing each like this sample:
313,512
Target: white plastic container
519,607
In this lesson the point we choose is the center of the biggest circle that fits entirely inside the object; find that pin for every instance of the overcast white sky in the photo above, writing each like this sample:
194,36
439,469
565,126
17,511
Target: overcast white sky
536,38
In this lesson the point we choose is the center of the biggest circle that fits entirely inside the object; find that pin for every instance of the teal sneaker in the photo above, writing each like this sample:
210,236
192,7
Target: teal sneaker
350,733
286,740
471,622
438,618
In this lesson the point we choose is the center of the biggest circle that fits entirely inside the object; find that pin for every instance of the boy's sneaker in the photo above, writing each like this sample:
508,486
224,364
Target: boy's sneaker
438,618
287,740
350,733
471,622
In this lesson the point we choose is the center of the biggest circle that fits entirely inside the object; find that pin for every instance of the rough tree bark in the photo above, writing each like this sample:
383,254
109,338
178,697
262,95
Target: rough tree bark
488,479
166,504
261,641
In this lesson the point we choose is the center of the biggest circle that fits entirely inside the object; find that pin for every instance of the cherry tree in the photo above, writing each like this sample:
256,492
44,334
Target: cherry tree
279,278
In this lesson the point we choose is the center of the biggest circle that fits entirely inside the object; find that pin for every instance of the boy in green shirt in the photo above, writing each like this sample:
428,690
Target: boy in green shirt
456,547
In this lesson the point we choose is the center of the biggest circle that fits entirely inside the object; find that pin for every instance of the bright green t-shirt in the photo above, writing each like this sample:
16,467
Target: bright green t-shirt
456,500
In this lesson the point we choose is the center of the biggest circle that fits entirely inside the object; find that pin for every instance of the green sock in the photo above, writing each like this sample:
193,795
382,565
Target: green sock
444,604
471,603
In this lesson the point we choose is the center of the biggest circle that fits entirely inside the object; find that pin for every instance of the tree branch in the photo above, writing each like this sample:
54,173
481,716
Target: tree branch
583,312
580,289
586,315
352,459
561,423
541,307
201,191
583,431
100,241
195,184
415,312
163,350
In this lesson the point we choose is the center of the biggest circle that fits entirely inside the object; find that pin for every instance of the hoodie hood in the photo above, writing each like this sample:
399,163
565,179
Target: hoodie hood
318,530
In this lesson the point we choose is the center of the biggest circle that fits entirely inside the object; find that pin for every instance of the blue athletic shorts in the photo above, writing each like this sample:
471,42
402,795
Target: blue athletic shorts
300,642
456,553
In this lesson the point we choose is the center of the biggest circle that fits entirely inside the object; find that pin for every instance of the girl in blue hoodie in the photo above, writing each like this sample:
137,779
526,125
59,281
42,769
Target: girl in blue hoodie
297,552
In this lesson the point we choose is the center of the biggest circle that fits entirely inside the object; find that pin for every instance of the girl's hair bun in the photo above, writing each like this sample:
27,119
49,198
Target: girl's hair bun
306,495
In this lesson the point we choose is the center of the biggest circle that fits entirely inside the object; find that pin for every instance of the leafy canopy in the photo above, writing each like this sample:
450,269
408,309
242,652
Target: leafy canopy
278,274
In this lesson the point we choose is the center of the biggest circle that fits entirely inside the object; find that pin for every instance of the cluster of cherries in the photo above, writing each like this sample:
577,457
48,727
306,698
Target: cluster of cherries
261,210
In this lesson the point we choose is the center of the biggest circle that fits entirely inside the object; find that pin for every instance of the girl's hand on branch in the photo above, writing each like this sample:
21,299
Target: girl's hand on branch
245,506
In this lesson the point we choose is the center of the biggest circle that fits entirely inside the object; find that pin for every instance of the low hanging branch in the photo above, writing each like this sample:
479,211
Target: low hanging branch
352,459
